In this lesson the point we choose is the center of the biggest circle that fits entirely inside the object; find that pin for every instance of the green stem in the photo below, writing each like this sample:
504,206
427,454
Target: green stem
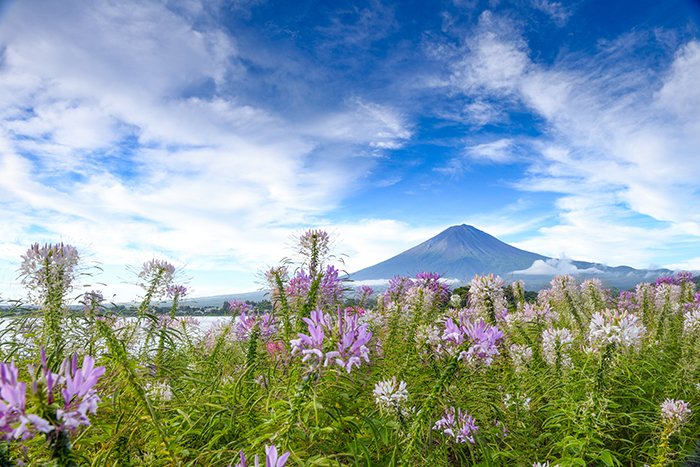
427,409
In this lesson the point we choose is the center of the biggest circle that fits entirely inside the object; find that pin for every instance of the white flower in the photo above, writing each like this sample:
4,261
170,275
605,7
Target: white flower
691,320
428,336
615,327
391,395
517,400
159,390
557,342
521,355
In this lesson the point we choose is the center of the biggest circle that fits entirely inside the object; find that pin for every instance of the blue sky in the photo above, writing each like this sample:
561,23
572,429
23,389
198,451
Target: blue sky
210,133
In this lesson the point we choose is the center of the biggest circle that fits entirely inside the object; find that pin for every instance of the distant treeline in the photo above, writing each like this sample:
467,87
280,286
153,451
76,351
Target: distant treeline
258,307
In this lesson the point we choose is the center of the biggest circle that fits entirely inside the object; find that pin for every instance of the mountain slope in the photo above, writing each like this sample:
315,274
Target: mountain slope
458,252
462,251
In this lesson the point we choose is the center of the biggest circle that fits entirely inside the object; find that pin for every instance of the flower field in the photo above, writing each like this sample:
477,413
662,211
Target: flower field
417,375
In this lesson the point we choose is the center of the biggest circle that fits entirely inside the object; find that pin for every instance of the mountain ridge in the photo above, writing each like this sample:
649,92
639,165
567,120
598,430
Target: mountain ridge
462,251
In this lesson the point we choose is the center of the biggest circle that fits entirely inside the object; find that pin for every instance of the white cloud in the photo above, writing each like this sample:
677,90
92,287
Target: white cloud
559,13
620,143
555,267
499,151
494,58
691,264
121,135
364,123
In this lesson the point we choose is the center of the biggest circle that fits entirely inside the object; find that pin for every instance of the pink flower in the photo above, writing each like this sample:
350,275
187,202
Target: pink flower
675,412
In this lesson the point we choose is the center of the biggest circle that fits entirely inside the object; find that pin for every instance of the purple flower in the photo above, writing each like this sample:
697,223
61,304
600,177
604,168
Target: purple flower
12,400
349,336
299,286
79,395
431,281
675,412
92,300
676,279
398,287
531,313
78,392
157,274
176,291
181,323
351,348
271,458
461,429
245,324
363,294
49,378
482,340
238,307
15,423
627,301
311,346
156,266
331,288
48,268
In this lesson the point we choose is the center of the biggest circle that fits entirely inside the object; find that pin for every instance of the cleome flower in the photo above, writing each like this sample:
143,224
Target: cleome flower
430,282
691,315
48,268
531,313
76,385
556,346
363,294
246,324
157,275
481,340
521,356
390,394
397,290
176,291
486,295
13,419
675,413
461,429
79,395
346,345
615,327
272,459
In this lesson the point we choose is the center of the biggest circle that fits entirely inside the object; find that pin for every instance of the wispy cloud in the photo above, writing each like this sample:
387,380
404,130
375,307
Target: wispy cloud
619,140
499,151
558,12
120,132
209,132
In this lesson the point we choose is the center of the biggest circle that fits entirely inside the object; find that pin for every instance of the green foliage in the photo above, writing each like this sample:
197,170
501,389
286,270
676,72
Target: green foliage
175,395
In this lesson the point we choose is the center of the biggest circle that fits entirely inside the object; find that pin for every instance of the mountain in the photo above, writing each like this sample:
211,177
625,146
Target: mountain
462,251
